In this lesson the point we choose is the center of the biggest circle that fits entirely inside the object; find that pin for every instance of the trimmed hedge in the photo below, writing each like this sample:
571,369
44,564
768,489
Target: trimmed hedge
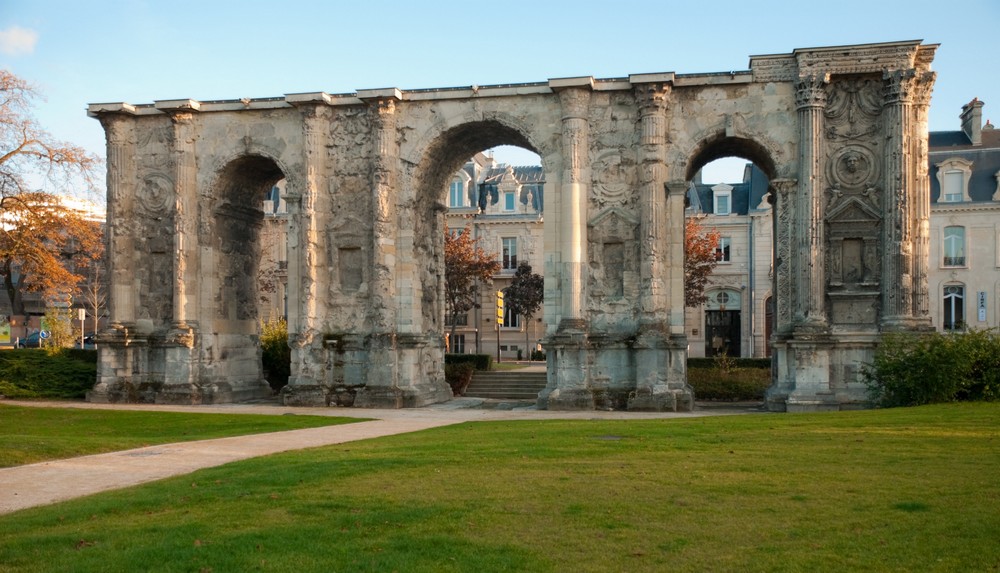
63,373
764,363
478,361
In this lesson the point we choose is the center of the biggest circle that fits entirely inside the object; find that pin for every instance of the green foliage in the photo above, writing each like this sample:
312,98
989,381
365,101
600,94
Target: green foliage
538,355
47,373
927,368
276,356
459,376
59,322
725,378
478,361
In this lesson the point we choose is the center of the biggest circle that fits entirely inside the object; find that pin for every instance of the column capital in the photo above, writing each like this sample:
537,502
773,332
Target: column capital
810,91
898,86
652,97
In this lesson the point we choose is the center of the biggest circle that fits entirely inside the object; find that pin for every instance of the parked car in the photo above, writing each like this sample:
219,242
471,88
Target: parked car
88,342
33,340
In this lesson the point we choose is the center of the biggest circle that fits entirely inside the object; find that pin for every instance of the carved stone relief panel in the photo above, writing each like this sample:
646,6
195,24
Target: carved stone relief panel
614,258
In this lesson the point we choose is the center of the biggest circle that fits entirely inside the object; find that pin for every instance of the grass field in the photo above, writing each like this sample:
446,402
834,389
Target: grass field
882,490
29,435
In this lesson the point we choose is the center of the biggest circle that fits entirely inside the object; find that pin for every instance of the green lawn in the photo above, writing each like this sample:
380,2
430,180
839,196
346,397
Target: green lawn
34,434
885,490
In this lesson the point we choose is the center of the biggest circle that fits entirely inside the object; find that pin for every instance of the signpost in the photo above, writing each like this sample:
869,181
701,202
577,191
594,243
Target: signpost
499,320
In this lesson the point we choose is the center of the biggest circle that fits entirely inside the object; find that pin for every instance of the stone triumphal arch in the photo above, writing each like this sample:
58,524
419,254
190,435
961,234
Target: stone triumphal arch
839,131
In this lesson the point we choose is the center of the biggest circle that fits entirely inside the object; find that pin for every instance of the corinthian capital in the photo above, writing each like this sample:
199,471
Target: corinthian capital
652,97
898,86
810,91
575,103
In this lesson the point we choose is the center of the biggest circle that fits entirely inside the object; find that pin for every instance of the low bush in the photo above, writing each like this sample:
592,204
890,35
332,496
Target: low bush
736,384
758,363
478,361
276,355
458,376
59,373
914,369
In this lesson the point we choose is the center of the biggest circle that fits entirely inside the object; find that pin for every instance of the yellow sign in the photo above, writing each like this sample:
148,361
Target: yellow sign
500,306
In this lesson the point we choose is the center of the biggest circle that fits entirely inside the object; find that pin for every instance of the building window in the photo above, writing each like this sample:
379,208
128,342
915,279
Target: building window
509,250
954,246
722,196
954,307
456,193
461,320
952,191
722,250
458,344
508,201
953,178
510,319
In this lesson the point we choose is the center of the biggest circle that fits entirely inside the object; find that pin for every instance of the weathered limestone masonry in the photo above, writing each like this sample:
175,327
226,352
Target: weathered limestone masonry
839,131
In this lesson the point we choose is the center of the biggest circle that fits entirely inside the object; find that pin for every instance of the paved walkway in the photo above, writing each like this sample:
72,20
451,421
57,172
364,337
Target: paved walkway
49,482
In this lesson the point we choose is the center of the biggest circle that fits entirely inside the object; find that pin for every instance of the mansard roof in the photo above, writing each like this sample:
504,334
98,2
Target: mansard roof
985,160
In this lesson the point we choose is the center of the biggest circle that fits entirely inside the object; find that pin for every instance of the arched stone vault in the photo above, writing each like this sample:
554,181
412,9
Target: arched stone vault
837,130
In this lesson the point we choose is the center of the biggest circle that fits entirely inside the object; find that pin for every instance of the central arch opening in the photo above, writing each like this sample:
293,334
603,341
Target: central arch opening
491,184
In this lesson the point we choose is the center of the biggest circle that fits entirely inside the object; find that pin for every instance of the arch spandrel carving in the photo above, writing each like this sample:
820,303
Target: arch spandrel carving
836,129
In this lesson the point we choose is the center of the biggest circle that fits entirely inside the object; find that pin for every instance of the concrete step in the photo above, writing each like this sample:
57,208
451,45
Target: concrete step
513,385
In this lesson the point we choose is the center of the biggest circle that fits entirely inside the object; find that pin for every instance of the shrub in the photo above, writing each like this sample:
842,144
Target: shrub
538,355
735,384
276,355
913,369
458,376
59,373
478,361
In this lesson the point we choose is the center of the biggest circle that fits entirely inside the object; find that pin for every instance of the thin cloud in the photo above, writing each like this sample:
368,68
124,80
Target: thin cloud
16,41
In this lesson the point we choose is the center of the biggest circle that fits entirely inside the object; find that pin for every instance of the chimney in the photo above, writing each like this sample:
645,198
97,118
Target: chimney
972,121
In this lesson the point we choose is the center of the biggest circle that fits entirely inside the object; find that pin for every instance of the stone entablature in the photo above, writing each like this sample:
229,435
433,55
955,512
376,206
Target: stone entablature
367,177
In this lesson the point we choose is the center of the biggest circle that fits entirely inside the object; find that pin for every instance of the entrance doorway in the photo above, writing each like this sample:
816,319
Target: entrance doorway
722,324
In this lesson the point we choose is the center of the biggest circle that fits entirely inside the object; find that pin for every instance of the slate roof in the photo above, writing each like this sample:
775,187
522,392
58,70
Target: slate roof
985,160
745,195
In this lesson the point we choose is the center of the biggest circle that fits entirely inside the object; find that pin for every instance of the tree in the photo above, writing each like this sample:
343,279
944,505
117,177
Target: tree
466,265
700,258
43,242
524,296
94,290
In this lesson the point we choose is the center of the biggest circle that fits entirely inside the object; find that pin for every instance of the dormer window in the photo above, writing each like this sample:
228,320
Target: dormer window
723,199
953,177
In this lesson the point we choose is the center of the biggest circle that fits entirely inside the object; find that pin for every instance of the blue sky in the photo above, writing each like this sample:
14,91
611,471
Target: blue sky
139,51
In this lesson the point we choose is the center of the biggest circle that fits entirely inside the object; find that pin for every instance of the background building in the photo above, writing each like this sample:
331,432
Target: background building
965,223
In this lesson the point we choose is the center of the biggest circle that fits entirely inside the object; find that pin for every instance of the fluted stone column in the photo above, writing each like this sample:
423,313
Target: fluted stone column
116,355
810,100
568,386
306,382
922,200
180,374
901,208
654,304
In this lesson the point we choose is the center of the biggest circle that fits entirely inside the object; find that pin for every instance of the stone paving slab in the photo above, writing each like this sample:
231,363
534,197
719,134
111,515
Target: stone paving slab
43,483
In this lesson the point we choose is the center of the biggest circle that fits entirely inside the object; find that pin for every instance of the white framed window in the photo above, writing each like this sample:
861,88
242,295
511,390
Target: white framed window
722,198
510,319
722,251
458,344
508,250
456,193
509,201
954,246
953,177
954,307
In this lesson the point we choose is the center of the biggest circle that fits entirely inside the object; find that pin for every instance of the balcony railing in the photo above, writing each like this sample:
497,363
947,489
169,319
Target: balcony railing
954,261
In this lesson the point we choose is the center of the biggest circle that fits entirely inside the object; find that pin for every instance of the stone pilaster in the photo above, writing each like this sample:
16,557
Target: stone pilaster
303,241
810,101
654,306
180,374
117,351
575,186
921,197
899,201
784,199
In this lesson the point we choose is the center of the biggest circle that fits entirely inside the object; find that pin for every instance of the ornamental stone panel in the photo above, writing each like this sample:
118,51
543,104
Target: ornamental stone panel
837,131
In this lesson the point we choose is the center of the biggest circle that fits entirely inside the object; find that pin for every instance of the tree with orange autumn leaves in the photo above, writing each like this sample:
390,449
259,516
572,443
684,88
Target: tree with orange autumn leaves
466,266
700,258
45,245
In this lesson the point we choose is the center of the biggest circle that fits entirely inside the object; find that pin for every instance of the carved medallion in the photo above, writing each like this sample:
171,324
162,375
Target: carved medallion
610,180
157,191
853,167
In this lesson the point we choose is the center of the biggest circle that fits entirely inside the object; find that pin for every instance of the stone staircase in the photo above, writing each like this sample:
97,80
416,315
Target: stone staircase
506,385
